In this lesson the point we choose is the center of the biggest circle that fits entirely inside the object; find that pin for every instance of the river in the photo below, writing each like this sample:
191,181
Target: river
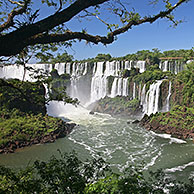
118,142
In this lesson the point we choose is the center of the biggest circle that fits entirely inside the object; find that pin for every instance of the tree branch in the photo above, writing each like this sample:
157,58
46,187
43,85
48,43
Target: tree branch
32,34
69,35
15,2
13,13
20,36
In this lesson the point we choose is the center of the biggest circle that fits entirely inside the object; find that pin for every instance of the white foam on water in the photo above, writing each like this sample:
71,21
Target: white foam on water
179,168
153,160
168,136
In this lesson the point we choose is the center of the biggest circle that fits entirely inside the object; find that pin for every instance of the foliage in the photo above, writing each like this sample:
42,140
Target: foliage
103,57
186,77
22,127
130,73
152,57
180,117
45,56
151,75
118,105
110,82
69,175
24,96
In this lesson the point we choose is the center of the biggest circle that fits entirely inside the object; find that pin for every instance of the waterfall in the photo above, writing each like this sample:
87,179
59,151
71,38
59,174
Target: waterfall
90,81
60,68
120,82
98,88
68,68
125,87
168,97
173,66
114,88
99,83
152,98
141,65
18,72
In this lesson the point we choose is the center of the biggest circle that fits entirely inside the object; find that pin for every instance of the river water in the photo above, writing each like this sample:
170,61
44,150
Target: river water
118,142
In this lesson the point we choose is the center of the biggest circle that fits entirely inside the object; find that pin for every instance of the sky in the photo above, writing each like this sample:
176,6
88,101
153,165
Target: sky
143,37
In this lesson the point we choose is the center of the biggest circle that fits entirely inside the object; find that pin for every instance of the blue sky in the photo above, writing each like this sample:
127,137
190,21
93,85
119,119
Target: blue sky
147,36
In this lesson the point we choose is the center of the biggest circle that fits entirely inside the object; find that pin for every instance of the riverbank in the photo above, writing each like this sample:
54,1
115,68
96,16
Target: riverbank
178,122
20,130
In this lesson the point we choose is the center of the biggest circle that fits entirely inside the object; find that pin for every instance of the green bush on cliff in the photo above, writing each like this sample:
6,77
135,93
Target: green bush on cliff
186,77
23,119
27,97
18,126
179,117
151,75
130,73
117,105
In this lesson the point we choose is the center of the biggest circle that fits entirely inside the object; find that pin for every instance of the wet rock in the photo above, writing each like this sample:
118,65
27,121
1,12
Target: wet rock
91,112
135,121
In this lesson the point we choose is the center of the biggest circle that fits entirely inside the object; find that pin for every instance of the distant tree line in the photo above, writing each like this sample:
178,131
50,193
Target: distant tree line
152,57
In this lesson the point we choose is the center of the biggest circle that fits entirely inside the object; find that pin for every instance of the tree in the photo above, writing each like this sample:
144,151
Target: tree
103,57
22,26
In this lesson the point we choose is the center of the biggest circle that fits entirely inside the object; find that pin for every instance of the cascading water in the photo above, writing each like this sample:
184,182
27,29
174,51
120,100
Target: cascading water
85,87
18,72
101,73
152,98
125,87
172,66
114,88
168,97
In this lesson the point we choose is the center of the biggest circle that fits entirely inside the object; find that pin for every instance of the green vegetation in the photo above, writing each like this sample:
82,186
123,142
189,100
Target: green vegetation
110,82
23,119
180,117
45,56
16,126
117,105
70,175
25,96
186,78
152,57
151,76
130,73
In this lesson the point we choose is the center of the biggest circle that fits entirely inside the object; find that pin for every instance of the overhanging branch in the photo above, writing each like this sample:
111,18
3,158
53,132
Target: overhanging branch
16,41
14,13
69,35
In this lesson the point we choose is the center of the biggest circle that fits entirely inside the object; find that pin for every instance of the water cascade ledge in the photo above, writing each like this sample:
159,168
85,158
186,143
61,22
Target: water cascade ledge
93,81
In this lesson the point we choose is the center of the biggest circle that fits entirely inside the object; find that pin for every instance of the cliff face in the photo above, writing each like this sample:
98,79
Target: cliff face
179,120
